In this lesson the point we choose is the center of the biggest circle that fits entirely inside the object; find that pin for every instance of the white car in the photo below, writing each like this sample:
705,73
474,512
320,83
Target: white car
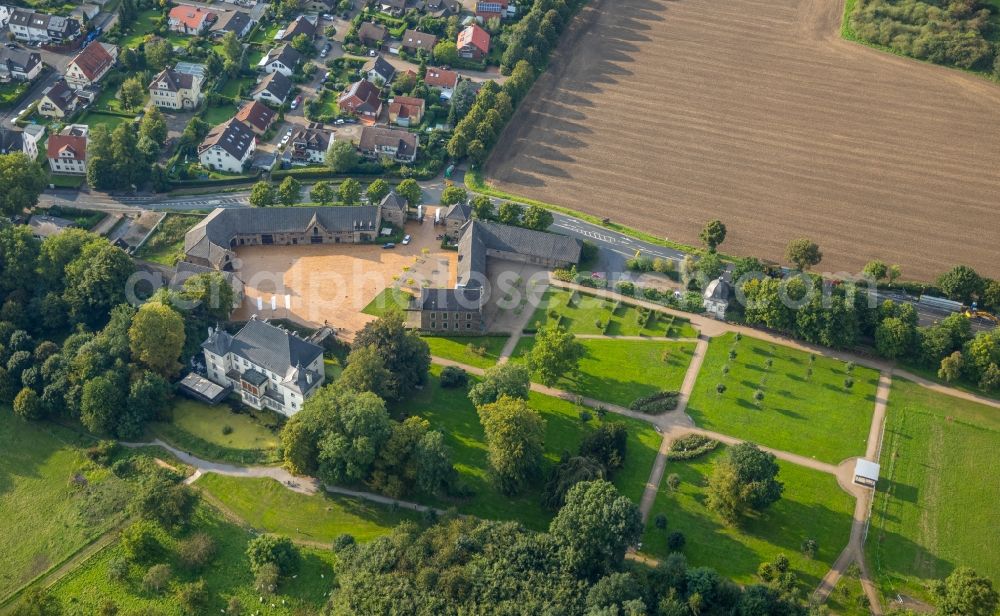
288,135
327,16
372,53
406,240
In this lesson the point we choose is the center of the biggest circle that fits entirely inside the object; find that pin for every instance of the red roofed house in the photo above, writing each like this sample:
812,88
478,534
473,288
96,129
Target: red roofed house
91,64
67,151
442,80
188,19
406,110
257,116
473,43
488,9
363,98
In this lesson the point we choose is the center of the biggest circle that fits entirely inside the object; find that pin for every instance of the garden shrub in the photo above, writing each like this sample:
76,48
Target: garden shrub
691,446
660,402
453,376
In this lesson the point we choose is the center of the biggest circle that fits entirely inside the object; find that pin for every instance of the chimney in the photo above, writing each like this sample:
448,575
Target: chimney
211,331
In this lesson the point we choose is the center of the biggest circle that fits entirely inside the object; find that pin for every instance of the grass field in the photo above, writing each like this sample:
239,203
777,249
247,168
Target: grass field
619,371
813,416
936,505
270,507
456,348
109,121
218,115
232,86
848,598
198,428
166,244
389,299
229,576
144,24
450,411
812,507
587,314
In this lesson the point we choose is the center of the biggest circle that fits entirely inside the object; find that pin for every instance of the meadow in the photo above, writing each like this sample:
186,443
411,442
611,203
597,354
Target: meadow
456,348
586,314
814,415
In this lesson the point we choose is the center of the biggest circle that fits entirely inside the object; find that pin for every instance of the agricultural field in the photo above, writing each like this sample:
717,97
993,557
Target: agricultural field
586,314
813,415
760,115
90,585
478,351
450,411
619,371
935,508
812,507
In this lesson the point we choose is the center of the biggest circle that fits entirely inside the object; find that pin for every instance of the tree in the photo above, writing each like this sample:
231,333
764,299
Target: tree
377,191
289,191
157,578
342,157
366,371
197,551
961,283
594,529
349,191
406,355
555,353
352,428
876,269
157,337
22,180
28,404
101,404
262,194
165,502
537,218
212,293
323,193
410,190
38,602
709,267
193,597
510,213
232,49
454,194
446,52
607,445
132,92
744,481
158,53
803,253
567,474
153,126
507,379
279,551
482,207
140,540
713,234
966,593
991,295
894,337
951,367
514,442
302,43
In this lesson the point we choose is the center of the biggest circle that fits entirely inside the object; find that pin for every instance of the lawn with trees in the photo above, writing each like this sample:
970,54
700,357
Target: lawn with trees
478,351
622,371
166,244
587,314
217,433
812,506
934,508
784,398
450,411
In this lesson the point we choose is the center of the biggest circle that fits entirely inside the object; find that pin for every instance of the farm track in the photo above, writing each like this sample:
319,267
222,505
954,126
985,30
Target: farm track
665,113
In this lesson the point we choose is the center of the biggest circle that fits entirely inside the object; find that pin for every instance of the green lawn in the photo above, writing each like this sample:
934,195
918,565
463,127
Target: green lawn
166,244
108,100
96,118
270,507
12,92
848,598
266,35
936,505
88,586
456,348
812,507
815,416
218,115
144,24
389,299
450,411
587,314
232,87
198,428
619,371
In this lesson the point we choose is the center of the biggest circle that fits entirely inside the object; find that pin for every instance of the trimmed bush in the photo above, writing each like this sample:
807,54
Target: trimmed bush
660,402
691,446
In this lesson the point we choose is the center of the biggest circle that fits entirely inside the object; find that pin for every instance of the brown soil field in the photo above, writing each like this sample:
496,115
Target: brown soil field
663,114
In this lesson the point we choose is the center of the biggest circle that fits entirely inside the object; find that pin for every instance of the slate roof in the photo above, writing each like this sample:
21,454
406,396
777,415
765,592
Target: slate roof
415,39
210,238
372,137
311,138
233,136
272,348
284,54
61,95
451,299
231,21
369,31
381,67
459,211
257,115
175,80
19,60
718,290
479,236
393,200
11,141
186,270
277,84
300,25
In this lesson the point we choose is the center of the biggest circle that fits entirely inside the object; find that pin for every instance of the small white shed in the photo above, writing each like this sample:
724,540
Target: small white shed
866,473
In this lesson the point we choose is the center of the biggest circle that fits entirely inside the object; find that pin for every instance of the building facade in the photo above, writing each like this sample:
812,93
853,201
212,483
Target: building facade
228,147
171,89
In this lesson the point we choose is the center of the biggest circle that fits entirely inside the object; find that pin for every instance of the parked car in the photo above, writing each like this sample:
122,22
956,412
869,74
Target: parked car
388,245
297,102
326,51
372,53
288,135
327,16
339,121
406,240
327,76
11,45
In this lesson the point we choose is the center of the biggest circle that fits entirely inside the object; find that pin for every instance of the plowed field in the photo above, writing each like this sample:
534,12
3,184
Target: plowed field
663,114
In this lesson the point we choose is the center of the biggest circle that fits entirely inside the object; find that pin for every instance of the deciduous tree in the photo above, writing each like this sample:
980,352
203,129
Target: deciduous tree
507,379
713,234
514,442
803,253
22,180
555,353
157,337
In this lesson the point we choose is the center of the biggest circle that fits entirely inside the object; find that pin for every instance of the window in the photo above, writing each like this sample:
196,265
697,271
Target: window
444,326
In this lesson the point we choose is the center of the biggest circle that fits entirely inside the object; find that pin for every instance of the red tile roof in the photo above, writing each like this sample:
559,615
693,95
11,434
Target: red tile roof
93,60
257,115
475,36
193,17
440,78
71,143
407,107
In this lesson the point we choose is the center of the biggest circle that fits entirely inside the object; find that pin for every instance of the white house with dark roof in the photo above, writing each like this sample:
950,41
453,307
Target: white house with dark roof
269,367
172,89
19,64
378,71
274,88
716,298
228,147
28,25
309,144
282,59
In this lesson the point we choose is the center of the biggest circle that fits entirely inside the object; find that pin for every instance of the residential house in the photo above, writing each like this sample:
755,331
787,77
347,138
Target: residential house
188,19
18,64
31,138
5,12
303,24
442,8
172,89
456,311
228,147
237,22
270,367
363,99
85,12
91,64
378,70
716,298
473,42
392,7
406,110
46,226
455,218
27,25
372,34
377,141
58,100
274,88
257,116
67,151
11,141
488,9
414,41
442,79
282,59
309,145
